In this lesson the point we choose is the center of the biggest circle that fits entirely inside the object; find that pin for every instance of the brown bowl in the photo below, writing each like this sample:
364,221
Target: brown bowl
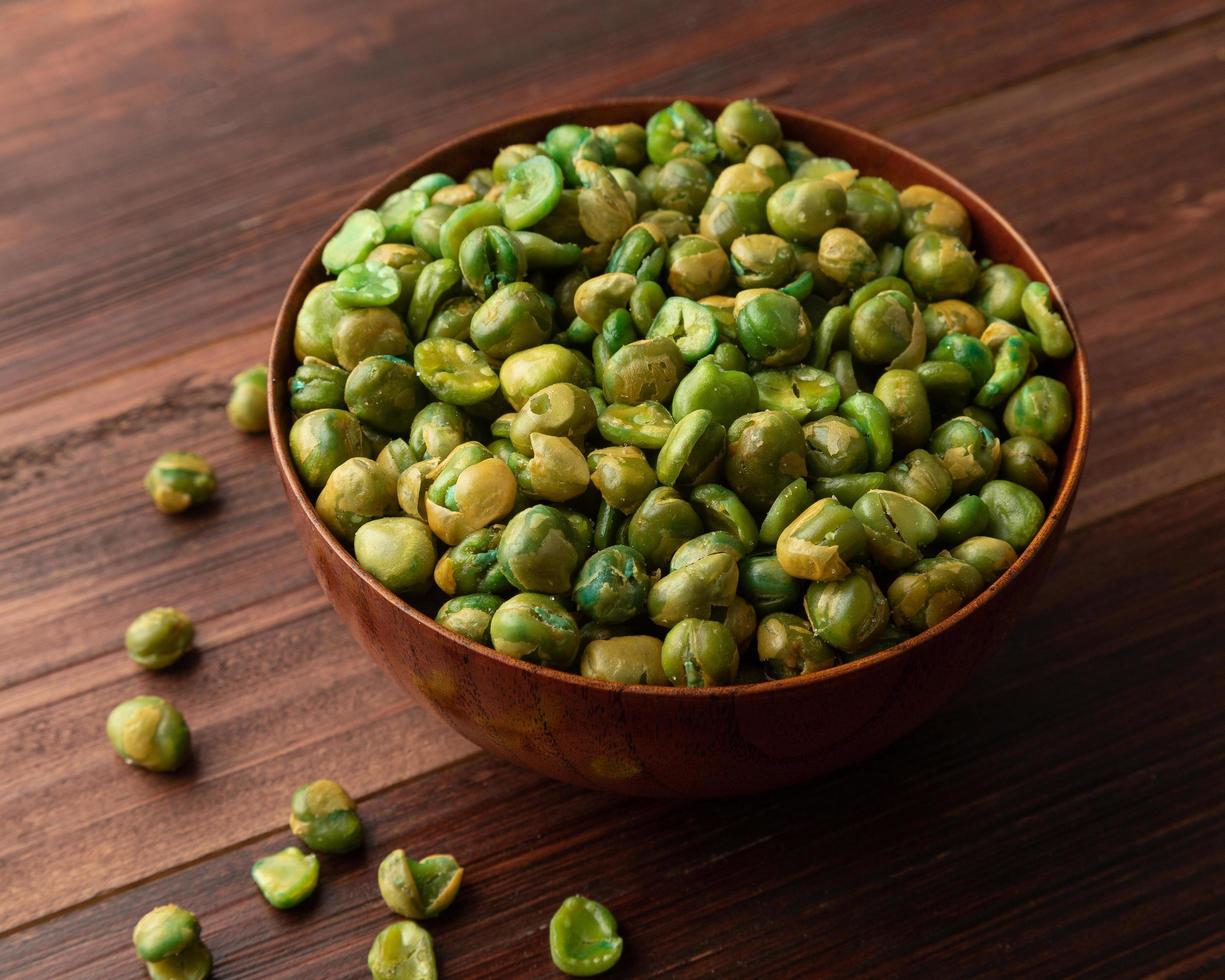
664,741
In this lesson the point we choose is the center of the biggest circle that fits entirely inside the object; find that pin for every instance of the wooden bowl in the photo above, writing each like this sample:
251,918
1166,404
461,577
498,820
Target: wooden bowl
663,741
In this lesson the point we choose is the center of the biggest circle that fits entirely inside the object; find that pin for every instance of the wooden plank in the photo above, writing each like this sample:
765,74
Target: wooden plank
228,139
1064,817
269,647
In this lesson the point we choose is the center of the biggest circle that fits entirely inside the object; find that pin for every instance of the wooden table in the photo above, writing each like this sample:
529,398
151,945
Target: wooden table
163,166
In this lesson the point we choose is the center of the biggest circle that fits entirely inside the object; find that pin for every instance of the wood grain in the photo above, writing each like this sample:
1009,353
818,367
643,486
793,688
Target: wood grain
162,168
1063,818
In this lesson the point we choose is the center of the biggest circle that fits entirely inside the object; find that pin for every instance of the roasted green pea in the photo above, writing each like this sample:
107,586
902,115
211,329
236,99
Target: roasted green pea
886,329
952,316
910,418
721,510
324,817
802,391
683,185
710,543
316,384
436,282
402,951
870,416
932,590
832,334
700,653
821,542
694,590
949,386
970,453
1011,365
469,615
436,430
991,556
769,160
287,878
367,284
898,527
939,266
849,487
804,210
692,451
419,889
922,476
321,440
315,326
736,205
491,257
967,517
538,551
366,332
528,371
788,647
765,452
1042,408
766,585
536,628
623,476
625,660
247,408
1016,512
533,188
744,124
726,394
762,261
834,447
612,585
998,291
583,938
177,481
881,284
398,212
158,638
398,551
646,370
149,732
792,501
772,327
383,391
165,931
873,209
472,564
360,233
555,469
846,258
1028,461
690,325
514,318
842,366
680,130
628,142
356,492
427,228
1053,333
970,352
928,209
661,524
645,425
849,614
561,409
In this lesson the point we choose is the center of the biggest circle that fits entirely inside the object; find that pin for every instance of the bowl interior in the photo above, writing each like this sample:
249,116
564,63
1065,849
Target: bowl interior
993,236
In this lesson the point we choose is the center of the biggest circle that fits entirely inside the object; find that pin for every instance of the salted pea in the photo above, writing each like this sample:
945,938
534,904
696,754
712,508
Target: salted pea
491,257
623,476
849,487
419,889
661,524
1016,513
427,227
766,585
952,316
561,409
1041,408
700,653
398,551
604,211
834,447
436,282
765,452
325,818
762,261
905,398
583,940
792,501
402,951
536,628
645,425
1012,361
158,638
932,590
802,391
383,391
991,556
704,545
967,517
247,406
436,430
871,417
939,266
873,209
948,385
898,527
469,615
726,394
539,552
359,234
612,585
634,659
736,205
848,614
641,252
554,469
690,325
928,209
398,212
722,510
787,647
694,590
920,475
820,543
743,124
646,370
367,284
357,491
177,481
321,440
514,318
802,210
470,489
533,189
286,879
682,184
315,325
998,291
472,565
846,258
149,732
1029,462
1053,333
528,371
692,452
968,451
772,327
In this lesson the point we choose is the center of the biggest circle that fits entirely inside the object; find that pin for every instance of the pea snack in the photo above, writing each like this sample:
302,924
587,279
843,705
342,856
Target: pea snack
167,939
673,402
149,732
177,481
402,951
158,638
287,878
324,817
583,938
419,889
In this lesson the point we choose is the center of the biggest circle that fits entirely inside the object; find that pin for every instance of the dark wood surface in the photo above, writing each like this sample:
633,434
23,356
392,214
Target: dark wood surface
162,169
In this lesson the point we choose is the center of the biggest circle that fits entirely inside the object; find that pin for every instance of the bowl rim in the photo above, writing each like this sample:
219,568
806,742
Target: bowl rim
635,107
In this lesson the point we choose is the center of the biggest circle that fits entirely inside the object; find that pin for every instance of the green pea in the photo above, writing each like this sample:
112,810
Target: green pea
710,543
799,288
898,527
646,370
287,878
661,524
623,476
691,326
834,447
514,318
1029,462
583,940
1041,408
471,565
692,451
932,590
832,334
383,391
645,425
967,517
792,501
628,142
766,585
612,585
536,628
848,614
398,551
400,210
841,365
194,963
821,542
165,931
826,167
158,638
533,188
177,481
726,394
939,266
873,209
544,253
528,371
871,417
605,212
436,430
736,205
721,510
638,252
561,409
356,492
149,732
970,352
700,653
1053,333
427,228
436,283
1016,513
609,524
998,291
694,590
366,332
367,284
921,475
469,615
646,300
680,129
358,236
949,386
772,327
882,284
419,889
802,391
848,487
744,124
991,556
788,647
402,951
905,398
765,452
803,210
432,183
888,330
321,440
1011,366
247,408
538,551
324,817
762,261
926,209
770,161
454,372
625,660
846,258
683,184
316,322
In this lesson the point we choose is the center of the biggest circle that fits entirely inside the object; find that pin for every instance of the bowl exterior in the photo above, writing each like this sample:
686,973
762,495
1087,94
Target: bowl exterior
648,741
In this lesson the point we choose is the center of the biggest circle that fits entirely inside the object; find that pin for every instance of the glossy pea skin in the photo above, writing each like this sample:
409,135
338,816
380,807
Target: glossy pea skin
849,487
402,951
535,628
721,510
792,501
1042,408
804,210
939,266
662,523
383,391
694,590
871,417
583,940
692,451
177,481
700,653
1016,513
316,384
1029,462
194,962
905,398
998,291
920,475
931,591
1053,334
286,879
325,818
165,931
726,394
767,586
537,551
363,333
821,542
357,492
965,518
633,659
772,327
469,615
788,647
991,556
612,585
928,209
848,614
158,638
398,551
149,732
